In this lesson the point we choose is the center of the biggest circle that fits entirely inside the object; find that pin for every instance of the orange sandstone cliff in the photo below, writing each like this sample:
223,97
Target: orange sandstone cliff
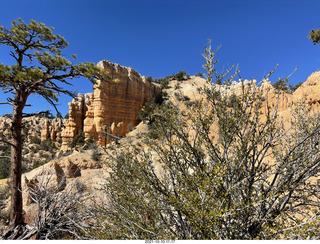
112,107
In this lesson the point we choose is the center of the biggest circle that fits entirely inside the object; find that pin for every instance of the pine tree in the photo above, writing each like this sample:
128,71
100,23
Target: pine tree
39,69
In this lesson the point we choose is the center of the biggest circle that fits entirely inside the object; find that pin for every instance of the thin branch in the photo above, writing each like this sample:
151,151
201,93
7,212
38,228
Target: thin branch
25,115
7,142
5,157
6,103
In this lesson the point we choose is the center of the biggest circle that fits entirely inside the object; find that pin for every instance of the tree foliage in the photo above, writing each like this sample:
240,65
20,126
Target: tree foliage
39,63
314,36
226,170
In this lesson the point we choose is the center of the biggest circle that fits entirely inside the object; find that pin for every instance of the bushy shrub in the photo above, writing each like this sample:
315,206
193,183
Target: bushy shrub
35,140
164,82
79,140
37,163
181,75
149,78
4,195
294,88
47,146
181,97
199,74
34,149
4,167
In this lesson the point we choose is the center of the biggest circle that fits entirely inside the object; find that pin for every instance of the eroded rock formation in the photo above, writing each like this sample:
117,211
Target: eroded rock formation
38,127
113,106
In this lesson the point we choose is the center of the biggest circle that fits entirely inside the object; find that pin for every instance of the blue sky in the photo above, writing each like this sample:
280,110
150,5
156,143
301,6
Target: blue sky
161,37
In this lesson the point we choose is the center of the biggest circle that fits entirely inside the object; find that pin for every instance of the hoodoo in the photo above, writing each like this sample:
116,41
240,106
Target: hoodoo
114,105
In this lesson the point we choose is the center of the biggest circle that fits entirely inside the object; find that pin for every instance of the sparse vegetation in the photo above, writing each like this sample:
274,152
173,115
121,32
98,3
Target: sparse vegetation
4,167
294,88
181,76
282,85
4,161
181,97
252,181
79,140
59,214
37,163
95,156
48,146
199,74
35,140
4,195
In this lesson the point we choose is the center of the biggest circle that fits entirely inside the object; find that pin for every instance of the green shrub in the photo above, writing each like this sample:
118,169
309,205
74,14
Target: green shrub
145,114
149,78
4,168
34,149
254,182
293,88
5,149
35,140
181,75
37,164
4,195
164,82
177,86
47,146
89,143
79,140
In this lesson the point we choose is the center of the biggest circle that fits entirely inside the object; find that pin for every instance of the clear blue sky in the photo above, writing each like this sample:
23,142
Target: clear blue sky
161,37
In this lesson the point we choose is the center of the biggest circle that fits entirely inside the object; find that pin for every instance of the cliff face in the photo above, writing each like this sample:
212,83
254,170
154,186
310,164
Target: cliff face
113,106
307,93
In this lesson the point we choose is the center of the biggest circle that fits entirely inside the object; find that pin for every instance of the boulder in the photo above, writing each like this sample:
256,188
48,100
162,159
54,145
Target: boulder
31,185
61,177
72,170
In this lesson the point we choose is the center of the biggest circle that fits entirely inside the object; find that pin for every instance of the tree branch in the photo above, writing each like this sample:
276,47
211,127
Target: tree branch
5,157
5,141
25,115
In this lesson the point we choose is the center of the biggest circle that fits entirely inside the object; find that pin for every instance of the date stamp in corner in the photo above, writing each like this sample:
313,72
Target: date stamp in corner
159,241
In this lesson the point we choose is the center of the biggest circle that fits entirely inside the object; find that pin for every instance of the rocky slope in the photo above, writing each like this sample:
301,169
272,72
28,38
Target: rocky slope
42,142
116,105
40,127
91,163
308,92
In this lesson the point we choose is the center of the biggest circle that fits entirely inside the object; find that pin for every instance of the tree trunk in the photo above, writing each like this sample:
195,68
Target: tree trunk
16,162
